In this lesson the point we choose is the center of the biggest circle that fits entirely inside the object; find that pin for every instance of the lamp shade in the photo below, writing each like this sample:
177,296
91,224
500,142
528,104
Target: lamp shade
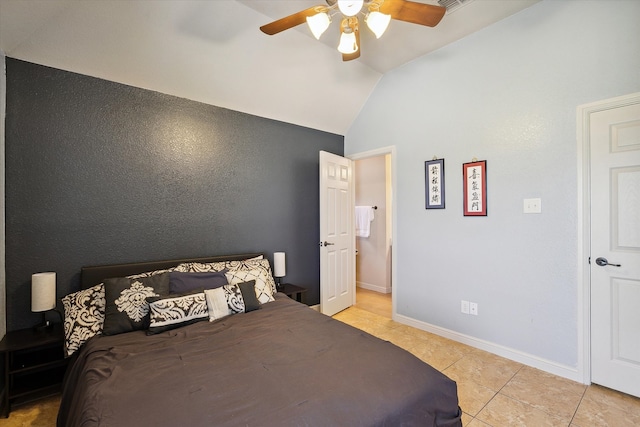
378,22
318,23
348,43
279,265
43,291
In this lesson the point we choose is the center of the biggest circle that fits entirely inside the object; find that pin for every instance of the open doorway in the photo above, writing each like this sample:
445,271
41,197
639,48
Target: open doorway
373,178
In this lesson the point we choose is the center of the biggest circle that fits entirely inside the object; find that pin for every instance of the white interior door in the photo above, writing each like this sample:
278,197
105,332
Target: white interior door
615,246
337,234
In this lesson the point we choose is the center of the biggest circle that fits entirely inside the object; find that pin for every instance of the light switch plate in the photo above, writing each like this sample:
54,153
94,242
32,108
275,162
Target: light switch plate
532,206
464,307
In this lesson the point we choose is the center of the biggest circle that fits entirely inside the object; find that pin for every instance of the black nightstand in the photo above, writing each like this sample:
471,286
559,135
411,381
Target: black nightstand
291,290
34,365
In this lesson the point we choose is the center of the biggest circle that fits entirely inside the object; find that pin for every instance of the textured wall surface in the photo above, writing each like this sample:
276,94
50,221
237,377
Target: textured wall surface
507,94
98,172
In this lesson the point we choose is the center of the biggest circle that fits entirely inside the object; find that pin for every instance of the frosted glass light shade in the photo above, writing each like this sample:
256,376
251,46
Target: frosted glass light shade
348,43
318,23
43,291
350,7
378,23
279,264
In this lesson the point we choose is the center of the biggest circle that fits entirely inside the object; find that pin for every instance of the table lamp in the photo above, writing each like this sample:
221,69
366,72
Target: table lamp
279,267
43,296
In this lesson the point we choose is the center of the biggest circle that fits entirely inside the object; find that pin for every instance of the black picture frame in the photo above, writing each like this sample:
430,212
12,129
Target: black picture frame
434,184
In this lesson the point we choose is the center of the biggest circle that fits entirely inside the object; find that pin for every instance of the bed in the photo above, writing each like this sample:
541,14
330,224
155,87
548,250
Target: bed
282,364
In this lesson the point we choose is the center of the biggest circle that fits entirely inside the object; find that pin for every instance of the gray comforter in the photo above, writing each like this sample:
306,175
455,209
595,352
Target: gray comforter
282,365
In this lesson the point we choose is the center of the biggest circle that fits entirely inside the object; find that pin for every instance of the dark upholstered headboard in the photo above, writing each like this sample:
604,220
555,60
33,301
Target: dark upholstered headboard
91,276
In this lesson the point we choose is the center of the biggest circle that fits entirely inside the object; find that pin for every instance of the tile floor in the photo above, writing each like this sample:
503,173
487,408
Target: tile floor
41,413
494,391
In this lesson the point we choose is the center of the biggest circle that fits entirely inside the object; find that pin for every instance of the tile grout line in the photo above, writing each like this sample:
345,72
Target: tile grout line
498,392
584,393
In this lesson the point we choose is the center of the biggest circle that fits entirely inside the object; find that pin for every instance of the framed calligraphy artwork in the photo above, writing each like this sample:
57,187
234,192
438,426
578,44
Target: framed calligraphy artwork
474,182
434,183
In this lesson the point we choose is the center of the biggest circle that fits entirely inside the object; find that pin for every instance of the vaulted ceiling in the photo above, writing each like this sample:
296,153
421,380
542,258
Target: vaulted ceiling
213,51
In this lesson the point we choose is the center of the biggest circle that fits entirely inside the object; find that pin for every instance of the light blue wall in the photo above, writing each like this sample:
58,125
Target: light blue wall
508,95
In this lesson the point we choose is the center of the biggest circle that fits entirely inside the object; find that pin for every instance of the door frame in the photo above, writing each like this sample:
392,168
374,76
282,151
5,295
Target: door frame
391,151
583,117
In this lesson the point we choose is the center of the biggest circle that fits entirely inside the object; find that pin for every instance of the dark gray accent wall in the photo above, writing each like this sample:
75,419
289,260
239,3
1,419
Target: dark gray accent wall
99,172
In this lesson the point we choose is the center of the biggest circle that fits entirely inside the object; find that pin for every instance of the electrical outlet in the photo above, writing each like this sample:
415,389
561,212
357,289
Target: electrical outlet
464,306
473,308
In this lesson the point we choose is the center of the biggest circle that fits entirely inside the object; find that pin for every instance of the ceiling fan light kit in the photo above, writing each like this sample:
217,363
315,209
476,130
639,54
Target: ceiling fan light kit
319,23
348,41
377,22
377,15
350,7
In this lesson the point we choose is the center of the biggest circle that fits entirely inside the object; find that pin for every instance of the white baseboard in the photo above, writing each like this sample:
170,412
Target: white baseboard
375,288
549,366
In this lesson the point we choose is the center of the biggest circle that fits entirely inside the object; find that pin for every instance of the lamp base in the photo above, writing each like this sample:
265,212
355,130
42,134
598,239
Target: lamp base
278,283
43,326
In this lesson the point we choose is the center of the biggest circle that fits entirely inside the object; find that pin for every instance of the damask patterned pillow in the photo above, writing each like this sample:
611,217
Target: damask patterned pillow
83,317
200,267
173,311
150,273
231,299
255,264
126,307
263,289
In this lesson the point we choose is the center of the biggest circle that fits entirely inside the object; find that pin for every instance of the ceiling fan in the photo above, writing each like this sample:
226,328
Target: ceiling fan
377,15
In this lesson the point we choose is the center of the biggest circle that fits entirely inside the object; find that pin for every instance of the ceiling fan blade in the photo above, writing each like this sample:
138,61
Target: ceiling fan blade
356,54
416,13
291,21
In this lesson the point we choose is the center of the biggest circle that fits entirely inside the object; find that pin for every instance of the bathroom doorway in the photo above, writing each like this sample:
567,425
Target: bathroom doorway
374,245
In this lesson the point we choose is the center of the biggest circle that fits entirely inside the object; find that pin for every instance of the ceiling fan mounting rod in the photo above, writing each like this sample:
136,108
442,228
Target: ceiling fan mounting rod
333,3
349,22
368,7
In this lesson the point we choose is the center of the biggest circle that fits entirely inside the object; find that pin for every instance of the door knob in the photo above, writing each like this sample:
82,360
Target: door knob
325,243
602,262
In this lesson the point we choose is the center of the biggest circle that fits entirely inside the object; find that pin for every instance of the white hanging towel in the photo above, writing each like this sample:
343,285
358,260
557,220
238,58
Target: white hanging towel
364,216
